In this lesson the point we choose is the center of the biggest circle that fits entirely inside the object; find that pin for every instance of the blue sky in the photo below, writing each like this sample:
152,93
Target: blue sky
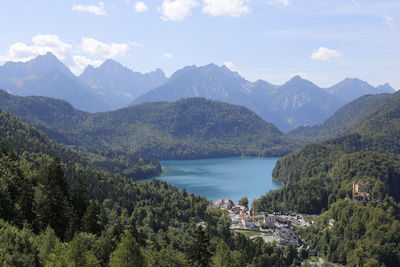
324,41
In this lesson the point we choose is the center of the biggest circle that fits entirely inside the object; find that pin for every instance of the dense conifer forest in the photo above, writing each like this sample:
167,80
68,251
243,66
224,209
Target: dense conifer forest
318,178
64,204
59,210
200,133
186,129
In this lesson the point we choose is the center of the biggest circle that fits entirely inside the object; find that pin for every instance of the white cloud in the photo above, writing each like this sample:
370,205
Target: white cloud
136,44
44,43
279,2
324,54
231,8
168,55
81,62
177,10
389,21
95,47
41,44
230,65
141,7
96,10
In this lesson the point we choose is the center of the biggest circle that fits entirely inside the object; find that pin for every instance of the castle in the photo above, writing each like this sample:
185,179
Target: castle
361,191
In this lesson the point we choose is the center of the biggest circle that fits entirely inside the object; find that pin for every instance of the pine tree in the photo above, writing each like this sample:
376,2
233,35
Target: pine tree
79,198
91,221
48,243
198,254
128,253
78,253
223,256
223,227
16,194
52,206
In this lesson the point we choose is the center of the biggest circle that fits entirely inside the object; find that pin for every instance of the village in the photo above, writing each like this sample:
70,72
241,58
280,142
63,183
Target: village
272,227
277,227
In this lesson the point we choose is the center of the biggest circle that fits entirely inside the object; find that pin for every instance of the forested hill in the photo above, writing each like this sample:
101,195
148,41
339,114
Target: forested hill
318,177
185,129
325,174
57,209
368,124
374,130
50,115
344,120
188,128
51,111
24,139
371,151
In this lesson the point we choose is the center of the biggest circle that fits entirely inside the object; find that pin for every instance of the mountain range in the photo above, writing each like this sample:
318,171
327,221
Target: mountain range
352,88
47,76
295,103
107,87
83,186
118,85
111,86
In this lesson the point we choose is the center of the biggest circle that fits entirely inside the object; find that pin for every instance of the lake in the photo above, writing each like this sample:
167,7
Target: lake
227,178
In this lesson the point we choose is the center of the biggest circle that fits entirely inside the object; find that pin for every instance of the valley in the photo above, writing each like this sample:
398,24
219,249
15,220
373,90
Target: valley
200,133
76,176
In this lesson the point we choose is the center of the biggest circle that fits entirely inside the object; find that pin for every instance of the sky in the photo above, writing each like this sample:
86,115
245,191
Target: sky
324,41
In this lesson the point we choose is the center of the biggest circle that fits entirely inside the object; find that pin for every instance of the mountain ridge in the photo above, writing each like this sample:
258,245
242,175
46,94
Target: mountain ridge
47,76
267,100
111,86
352,88
185,129
119,84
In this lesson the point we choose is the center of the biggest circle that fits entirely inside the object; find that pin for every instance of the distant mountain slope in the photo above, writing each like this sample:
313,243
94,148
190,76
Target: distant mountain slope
118,85
189,128
382,123
210,81
353,88
298,102
342,120
47,76
216,83
107,87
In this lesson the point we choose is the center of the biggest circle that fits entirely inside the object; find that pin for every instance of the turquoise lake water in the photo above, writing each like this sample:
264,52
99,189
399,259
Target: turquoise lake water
224,178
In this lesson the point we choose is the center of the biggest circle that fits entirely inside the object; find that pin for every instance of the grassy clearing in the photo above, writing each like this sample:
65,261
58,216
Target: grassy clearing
250,233
247,233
